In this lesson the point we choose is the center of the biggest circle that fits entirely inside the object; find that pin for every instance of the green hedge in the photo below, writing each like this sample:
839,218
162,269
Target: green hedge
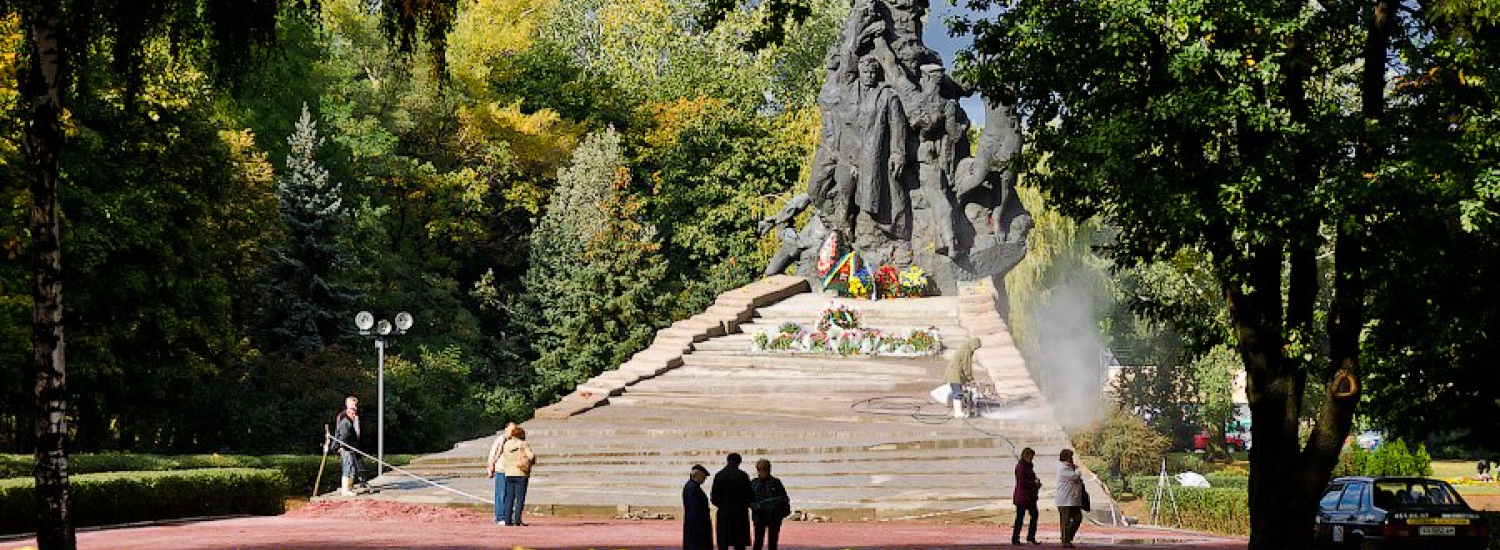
123,497
300,470
1216,510
1145,484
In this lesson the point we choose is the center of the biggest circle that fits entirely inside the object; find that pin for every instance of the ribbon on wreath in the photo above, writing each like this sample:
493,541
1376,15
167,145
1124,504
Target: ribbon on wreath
851,260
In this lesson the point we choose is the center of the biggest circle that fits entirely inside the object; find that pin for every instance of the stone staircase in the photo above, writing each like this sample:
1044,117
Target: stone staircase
852,438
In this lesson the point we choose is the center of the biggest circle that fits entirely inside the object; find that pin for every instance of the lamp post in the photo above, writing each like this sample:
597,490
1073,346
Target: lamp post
381,330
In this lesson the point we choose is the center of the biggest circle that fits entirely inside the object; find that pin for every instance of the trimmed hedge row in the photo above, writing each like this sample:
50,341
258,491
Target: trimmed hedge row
1216,510
123,497
1144,484
300,470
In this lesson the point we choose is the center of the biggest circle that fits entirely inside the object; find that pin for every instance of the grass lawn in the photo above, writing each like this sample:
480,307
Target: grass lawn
1451,469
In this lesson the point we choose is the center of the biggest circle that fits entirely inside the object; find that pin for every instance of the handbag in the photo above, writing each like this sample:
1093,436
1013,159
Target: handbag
523,463
1085,492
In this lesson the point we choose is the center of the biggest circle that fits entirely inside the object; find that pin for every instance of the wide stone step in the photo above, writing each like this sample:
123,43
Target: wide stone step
831,363
857,437
786,460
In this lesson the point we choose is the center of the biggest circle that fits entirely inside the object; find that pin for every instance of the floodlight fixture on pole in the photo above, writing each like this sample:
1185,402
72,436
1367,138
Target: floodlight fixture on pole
382,329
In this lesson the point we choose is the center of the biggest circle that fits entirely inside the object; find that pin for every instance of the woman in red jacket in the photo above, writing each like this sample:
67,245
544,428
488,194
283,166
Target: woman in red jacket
1025,496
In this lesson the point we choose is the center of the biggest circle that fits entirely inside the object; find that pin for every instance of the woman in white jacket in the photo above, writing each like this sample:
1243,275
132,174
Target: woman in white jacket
1069,497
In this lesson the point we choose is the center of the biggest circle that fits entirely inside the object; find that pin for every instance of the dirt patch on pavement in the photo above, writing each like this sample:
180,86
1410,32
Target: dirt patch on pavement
375,510
1483,502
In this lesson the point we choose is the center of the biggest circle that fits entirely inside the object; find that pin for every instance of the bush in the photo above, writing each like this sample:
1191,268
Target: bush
1124,443
300,470
1392,458
1146,484
1216,510
123,497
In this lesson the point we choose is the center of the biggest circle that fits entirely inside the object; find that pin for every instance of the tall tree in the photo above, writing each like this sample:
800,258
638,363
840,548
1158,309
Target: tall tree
1258,133
592,291
62,35
308,304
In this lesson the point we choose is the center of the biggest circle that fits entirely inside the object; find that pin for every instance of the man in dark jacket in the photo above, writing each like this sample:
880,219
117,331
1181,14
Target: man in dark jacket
771,505
732,494
697,529
345,439
1028,486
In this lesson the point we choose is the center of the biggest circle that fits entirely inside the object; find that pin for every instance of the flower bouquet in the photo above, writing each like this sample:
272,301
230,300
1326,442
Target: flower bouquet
817,341
848,343
838,315
862,284
925,342
914,281
888,282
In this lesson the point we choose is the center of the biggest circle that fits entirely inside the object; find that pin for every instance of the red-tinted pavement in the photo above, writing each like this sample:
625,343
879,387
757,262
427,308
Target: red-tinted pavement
351,526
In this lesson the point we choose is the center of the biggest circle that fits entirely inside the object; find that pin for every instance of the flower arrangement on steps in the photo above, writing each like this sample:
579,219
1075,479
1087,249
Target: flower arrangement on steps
838,332
850,275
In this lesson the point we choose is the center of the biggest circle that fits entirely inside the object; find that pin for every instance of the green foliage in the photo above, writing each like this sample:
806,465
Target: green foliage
1391,458
1147,484
112,498
1290,144
1215,510
158,298
1124,443
592,289
432,402
1163,323
657,50
715,170
308,305
199,319
300,471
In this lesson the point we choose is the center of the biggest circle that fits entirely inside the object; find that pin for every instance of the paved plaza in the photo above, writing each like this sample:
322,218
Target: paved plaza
359,525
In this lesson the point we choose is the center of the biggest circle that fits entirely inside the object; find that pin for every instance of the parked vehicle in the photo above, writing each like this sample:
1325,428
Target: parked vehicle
1234,441
1396,512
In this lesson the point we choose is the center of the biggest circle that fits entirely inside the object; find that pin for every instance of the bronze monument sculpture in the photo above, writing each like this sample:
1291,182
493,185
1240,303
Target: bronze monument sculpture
894,179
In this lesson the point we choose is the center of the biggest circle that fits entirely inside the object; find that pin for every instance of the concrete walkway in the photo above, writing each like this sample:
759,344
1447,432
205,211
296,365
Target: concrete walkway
368,527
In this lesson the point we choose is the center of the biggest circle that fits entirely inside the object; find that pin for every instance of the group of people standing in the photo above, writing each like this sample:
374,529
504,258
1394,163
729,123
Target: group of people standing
1071,499
510,457
740,501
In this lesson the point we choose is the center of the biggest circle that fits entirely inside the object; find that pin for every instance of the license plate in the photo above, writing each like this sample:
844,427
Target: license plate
1441,530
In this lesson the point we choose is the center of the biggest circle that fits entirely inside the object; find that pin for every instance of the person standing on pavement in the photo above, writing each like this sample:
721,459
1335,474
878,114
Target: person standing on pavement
697,528
346,440
489,471
517,460
770,506
732,494
1028,487
1069,497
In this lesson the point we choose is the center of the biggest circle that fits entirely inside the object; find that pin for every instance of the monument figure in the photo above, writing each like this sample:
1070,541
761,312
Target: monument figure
879,192
893,177
938,128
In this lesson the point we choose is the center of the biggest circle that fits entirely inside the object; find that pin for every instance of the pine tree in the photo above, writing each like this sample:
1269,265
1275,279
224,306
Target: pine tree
307,305
593,292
